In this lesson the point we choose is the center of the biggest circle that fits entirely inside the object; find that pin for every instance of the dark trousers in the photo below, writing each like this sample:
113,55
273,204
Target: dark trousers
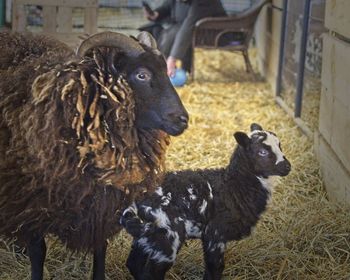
165,40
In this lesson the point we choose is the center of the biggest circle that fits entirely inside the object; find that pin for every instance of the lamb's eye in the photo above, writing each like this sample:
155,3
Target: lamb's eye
263,152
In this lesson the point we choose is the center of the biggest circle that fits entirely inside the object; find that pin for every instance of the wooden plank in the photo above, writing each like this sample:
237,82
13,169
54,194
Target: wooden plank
341,132
334,117
326,114
327,97
336,178
49,18
278,3
336,65
334,120
64,19
337,16
63,3
267,33
19,20
90,20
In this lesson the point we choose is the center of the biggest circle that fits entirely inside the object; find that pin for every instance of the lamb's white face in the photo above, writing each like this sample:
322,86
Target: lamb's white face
264,152
272,141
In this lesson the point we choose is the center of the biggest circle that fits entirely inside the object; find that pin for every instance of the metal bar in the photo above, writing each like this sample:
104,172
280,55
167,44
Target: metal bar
282,48
299,122
301,70
2,12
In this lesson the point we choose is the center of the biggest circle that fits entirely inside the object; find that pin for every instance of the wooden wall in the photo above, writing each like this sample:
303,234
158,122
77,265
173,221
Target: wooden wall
332,141
57,17
267,35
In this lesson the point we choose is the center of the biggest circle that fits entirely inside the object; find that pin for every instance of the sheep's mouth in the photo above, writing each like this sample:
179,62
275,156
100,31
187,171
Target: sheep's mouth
284,172
174,129
284,168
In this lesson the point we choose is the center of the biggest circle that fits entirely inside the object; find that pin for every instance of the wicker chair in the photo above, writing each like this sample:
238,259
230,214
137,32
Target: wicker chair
231,33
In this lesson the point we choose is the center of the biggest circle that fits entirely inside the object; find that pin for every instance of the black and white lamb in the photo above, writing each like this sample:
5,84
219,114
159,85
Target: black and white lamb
215,205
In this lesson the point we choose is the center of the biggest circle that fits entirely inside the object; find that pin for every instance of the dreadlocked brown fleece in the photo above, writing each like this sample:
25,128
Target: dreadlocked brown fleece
70,155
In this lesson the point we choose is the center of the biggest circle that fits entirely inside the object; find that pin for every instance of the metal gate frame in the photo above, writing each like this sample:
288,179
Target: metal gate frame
296,115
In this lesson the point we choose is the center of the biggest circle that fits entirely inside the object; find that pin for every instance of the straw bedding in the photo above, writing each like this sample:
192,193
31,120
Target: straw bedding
301,236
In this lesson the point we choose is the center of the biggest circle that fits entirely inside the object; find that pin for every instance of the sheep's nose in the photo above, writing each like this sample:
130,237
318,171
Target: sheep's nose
177,122
178,117
287,164
184,119
285,167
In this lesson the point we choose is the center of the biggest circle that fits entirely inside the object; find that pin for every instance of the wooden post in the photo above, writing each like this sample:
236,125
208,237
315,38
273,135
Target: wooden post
90,20
49,19
64,19
19,21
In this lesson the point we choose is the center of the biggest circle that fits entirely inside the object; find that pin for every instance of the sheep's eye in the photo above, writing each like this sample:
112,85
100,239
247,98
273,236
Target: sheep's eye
263,152
143,76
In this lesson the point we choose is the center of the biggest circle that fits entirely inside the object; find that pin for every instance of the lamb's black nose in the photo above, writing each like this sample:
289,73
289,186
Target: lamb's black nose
288,166
284,167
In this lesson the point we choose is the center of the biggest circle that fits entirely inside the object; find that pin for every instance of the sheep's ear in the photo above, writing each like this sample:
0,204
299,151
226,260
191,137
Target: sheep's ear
242,139
147,39
255,126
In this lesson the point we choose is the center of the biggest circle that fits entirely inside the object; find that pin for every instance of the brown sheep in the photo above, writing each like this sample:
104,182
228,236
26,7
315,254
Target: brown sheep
81,135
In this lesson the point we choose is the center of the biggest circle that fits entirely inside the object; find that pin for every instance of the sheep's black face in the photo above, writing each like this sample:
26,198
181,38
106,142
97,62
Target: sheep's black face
264,152
158,105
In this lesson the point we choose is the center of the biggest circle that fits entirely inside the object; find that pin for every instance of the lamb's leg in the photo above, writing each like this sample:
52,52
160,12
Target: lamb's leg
156,271
37,253
214,258
142,267
98,271
154,253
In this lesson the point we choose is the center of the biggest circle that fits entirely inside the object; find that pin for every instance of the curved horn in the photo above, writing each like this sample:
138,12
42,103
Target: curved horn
110,39
147,39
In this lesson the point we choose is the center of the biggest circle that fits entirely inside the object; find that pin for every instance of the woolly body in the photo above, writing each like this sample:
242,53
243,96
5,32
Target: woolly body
216,205
71,155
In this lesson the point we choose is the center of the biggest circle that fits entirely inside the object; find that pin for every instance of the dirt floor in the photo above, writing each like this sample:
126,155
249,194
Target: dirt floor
301,236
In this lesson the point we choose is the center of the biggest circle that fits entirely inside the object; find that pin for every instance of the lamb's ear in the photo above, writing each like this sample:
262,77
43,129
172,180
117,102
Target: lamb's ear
147,39
255,126
242,139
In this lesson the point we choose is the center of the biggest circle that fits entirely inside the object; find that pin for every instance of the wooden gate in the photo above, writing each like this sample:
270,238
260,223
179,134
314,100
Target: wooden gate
57,17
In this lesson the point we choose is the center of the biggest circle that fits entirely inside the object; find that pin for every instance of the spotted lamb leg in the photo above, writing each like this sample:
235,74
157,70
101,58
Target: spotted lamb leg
156,271
98,271
37,252
214,258
154,253
142,267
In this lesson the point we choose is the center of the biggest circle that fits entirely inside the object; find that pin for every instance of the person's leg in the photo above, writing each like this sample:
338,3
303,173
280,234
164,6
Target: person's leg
166,39
187,60
154,28
156,31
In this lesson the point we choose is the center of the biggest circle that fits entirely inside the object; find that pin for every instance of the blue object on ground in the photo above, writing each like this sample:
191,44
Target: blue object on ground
180,78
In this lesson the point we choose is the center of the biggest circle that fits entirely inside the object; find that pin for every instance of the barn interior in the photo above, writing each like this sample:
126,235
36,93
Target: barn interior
299,89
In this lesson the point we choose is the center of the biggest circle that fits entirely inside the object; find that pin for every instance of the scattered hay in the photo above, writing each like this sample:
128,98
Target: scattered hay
301,236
